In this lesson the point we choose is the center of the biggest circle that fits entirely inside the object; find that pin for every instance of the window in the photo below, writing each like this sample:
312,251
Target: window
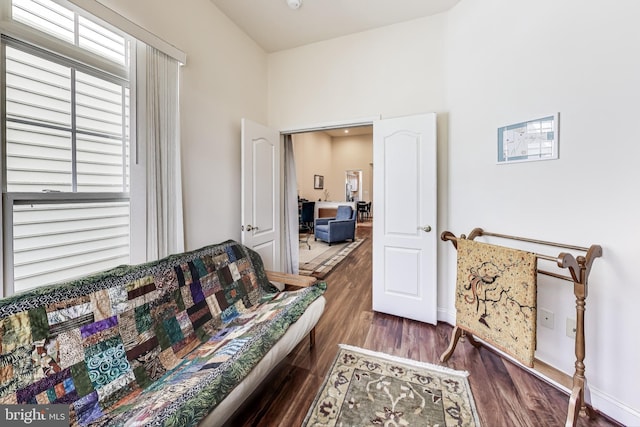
64,24
66,142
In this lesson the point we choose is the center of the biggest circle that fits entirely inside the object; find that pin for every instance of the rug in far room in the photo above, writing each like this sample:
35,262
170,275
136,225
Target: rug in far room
366,388
321,258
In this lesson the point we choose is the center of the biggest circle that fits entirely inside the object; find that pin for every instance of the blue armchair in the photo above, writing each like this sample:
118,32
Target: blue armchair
337,229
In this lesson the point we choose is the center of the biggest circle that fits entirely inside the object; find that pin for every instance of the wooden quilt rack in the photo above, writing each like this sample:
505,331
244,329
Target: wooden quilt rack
579,267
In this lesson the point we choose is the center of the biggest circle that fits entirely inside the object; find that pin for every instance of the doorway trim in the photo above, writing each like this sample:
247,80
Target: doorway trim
364,121
314,127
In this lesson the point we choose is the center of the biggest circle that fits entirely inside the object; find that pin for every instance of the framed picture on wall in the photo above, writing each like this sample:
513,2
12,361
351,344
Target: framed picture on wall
318,182
528,141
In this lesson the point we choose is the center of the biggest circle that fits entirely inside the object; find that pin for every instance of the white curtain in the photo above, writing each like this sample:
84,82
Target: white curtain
291,221
165,233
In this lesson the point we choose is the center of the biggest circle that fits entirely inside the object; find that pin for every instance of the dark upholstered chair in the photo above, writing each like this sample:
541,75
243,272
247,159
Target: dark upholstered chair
306,222
307,215
364,210
338,229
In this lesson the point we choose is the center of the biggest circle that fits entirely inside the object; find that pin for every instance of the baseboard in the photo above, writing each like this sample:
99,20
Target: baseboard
446,316
603,403
612,408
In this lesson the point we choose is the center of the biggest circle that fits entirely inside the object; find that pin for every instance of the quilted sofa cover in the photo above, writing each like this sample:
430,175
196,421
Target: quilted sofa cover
160,343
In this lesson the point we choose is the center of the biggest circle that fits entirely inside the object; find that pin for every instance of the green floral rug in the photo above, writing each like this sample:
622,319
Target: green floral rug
366,388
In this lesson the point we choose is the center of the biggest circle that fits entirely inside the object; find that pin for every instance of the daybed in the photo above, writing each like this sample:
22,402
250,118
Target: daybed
164,343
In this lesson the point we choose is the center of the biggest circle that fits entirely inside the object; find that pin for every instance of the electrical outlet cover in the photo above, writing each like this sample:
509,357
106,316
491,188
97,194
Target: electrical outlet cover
546,318
571,328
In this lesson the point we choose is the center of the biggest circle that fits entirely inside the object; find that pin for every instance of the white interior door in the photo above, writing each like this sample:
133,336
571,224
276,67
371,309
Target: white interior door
261,191
404,224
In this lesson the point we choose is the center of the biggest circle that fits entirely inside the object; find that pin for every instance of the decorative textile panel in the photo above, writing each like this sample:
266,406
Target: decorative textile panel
109,343
496,293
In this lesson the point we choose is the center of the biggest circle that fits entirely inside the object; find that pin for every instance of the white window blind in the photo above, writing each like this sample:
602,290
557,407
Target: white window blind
55,242
45,16
66,147
62,22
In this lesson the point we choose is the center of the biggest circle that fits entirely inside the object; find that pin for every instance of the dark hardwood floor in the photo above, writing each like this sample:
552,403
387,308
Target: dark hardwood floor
505,394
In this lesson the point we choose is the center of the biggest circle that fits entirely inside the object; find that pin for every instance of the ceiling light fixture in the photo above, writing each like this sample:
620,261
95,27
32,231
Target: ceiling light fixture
294,4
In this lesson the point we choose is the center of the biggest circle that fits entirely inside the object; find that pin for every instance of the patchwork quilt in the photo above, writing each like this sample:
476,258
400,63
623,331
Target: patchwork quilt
160,343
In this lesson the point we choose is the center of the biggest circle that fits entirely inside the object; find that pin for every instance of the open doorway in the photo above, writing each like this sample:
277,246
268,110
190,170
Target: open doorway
404,150
353,185
333,169
328,155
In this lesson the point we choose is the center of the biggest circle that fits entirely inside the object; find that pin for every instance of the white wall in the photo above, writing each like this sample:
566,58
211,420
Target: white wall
481,66
317,153
511,61
312,151
395,70
224,80
353,152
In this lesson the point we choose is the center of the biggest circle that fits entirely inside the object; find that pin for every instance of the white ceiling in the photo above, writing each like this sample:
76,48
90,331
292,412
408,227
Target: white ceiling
274,26
352,131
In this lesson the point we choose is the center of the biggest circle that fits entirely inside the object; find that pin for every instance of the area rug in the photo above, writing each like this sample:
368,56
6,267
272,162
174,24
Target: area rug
322,258
365,388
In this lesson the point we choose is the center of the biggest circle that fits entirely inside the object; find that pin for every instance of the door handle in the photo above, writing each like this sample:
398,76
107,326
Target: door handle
249,228
426,228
